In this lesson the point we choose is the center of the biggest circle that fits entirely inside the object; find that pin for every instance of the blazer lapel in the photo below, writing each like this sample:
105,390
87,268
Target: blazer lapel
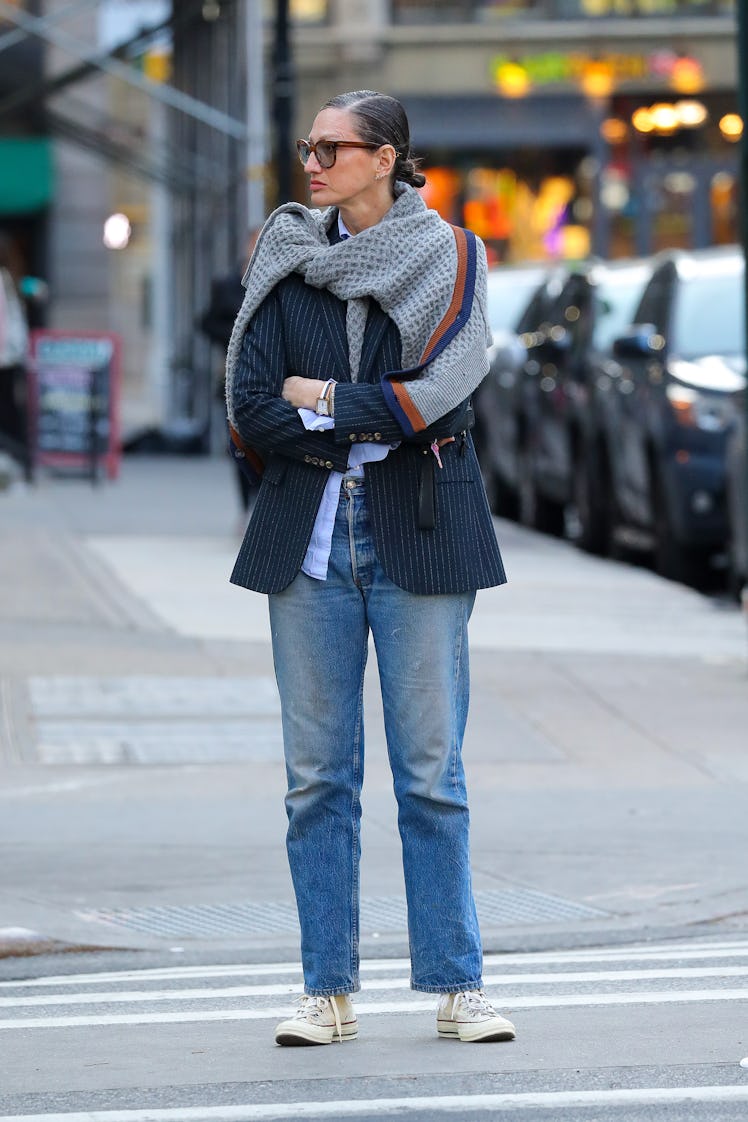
332,314
376,325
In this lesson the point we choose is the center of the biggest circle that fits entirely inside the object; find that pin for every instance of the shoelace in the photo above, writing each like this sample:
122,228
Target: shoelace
320,1004
475,1001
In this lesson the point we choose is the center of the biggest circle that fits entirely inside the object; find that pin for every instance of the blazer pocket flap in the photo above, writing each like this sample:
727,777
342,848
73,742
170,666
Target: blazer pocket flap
456,469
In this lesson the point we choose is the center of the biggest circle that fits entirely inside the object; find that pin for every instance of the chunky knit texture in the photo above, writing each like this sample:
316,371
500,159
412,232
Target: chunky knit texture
407,263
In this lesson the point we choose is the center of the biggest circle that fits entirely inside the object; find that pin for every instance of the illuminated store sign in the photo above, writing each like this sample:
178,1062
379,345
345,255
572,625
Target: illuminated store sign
683,72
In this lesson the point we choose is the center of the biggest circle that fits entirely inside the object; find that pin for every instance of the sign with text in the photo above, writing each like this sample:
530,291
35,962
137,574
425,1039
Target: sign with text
75,384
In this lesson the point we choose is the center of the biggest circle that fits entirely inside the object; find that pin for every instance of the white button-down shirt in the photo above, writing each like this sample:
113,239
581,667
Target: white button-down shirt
317,555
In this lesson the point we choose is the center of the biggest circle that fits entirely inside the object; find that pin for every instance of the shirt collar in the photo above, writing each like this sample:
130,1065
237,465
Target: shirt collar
343,231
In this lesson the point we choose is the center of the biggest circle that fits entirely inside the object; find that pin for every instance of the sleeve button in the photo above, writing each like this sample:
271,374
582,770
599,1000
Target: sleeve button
307,459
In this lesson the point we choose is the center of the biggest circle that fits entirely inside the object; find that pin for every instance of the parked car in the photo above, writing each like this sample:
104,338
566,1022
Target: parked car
737,499
518,300
670,407
559,448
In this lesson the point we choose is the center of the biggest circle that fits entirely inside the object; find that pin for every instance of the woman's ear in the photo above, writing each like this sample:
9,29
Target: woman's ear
385,160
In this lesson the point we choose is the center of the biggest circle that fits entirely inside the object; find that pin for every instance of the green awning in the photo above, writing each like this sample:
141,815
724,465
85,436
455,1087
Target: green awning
26,175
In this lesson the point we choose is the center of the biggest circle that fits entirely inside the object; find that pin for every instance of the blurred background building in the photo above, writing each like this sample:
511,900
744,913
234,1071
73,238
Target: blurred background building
553,128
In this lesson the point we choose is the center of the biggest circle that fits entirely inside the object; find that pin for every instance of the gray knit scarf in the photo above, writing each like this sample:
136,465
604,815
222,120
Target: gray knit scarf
407,263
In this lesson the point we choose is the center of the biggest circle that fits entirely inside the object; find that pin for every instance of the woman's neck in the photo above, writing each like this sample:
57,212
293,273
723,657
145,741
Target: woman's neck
360,217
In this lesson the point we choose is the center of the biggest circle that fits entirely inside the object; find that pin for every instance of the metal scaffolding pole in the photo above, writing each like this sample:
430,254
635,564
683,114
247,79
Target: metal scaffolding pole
256,114
283,91
11,38
743,105
41,28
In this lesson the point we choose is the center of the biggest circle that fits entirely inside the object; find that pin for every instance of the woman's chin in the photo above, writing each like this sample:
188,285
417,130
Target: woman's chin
322,196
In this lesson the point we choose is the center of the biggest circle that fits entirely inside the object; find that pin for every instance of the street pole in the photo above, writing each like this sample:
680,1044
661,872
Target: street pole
742,9
282,101
256,154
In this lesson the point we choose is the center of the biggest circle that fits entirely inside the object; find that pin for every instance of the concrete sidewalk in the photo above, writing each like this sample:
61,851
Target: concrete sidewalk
141,780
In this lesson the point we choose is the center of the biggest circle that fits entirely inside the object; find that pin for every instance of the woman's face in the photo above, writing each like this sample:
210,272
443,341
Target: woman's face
354,173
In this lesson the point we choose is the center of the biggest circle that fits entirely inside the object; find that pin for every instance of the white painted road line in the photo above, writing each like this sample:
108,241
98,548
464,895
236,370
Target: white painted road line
667,952
284,990
557,1001
441,1104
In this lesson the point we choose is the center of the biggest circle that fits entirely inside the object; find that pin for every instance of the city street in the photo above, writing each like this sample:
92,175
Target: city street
148,939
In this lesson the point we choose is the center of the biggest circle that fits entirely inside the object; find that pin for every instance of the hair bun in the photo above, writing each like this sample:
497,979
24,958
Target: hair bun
406,171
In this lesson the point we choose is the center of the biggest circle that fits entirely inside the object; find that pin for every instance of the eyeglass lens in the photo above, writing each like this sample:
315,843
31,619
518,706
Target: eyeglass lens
323,150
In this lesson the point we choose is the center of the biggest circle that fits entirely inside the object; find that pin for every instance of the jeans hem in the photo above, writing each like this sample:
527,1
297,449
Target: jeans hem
448,987
334,991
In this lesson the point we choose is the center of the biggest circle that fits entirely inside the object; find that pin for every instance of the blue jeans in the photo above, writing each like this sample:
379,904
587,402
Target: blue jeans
320,639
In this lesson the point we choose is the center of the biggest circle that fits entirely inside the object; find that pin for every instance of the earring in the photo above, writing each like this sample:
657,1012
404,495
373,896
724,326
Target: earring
379,175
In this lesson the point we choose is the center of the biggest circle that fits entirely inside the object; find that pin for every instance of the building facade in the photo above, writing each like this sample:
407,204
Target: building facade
554,128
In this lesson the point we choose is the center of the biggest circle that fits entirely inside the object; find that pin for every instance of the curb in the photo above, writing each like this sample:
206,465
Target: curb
21,942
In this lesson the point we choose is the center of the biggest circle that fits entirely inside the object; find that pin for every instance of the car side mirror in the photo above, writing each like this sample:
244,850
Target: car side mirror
642,340
556,340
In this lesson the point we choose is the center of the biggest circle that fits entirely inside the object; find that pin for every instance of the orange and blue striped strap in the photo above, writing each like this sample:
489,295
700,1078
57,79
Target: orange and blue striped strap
394,383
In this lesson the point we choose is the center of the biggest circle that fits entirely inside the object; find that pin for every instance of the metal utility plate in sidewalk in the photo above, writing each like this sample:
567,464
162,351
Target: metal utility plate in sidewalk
503,907
155,720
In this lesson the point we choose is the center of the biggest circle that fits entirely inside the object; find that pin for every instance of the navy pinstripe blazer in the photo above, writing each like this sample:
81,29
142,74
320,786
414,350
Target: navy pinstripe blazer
300,330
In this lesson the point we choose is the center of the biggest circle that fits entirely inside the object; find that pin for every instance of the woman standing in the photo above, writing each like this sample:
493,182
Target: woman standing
350,368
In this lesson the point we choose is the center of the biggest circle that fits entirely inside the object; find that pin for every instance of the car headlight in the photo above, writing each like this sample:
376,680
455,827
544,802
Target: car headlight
693,409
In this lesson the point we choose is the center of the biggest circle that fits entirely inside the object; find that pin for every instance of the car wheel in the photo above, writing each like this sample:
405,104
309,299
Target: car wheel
673,560
590,502
535,510
502,498
736,579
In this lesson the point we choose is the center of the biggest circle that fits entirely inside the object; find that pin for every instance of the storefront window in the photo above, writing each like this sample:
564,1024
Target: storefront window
308,11
461,11
300,11
520,218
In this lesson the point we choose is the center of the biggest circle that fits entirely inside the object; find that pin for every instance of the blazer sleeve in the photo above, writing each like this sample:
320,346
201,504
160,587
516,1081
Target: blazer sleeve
264,419
361,413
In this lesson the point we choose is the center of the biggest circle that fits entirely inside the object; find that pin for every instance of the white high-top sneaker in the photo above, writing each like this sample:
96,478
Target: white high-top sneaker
319,1020
471,1017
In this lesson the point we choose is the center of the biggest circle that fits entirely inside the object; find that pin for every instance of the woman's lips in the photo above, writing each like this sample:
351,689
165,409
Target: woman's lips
316,184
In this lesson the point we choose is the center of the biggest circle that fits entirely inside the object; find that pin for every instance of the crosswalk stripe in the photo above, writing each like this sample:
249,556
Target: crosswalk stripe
657,952
444,1104
662,997
383,984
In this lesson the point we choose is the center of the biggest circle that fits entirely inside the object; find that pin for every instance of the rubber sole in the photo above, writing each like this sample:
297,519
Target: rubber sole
295,1040
487,1038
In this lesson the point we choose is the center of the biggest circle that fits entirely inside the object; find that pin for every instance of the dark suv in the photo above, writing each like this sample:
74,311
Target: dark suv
560,465
518,302
669,406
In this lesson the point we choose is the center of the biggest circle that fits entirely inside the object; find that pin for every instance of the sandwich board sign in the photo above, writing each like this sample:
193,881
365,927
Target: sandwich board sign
74,402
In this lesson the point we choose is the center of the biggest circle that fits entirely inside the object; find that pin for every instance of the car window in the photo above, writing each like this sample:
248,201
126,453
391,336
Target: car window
653,306
708,316
535,312
615,304
508,295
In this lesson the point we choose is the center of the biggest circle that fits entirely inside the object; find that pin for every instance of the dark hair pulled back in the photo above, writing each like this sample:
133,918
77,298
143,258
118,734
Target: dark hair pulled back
381,119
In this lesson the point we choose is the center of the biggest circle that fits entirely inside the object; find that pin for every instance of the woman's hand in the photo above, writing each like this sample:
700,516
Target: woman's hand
302,392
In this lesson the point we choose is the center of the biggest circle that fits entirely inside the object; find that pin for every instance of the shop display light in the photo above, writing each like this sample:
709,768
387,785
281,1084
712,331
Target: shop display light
687,75
665,118
117,231
731,127
692,114
642,120
614,130
597,79
512,80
